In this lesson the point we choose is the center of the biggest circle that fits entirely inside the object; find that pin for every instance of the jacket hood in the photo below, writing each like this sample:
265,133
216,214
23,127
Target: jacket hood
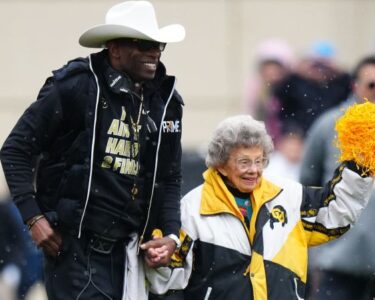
72,67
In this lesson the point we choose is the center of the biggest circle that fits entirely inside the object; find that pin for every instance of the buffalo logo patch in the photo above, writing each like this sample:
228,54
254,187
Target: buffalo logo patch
278,215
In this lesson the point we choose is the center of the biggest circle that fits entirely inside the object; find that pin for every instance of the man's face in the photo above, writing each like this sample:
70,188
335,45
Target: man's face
138,62
364,87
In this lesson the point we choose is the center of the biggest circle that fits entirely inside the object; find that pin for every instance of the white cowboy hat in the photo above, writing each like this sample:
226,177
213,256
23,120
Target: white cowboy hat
131,19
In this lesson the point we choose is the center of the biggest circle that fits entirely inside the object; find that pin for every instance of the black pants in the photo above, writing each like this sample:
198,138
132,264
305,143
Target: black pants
88,268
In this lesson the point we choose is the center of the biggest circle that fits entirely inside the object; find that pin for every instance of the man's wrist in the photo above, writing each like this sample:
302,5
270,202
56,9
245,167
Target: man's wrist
33,220
176,240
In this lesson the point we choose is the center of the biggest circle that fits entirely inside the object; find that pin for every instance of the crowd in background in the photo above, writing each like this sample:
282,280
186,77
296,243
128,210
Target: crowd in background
20,260
288,93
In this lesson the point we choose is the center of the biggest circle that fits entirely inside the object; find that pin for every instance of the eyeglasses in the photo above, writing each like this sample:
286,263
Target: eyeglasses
244,164
144,45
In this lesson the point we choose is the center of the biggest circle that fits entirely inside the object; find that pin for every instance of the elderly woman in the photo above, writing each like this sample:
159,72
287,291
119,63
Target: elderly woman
245,236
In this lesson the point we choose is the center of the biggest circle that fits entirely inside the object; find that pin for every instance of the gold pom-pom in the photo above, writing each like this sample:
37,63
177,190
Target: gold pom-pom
356,135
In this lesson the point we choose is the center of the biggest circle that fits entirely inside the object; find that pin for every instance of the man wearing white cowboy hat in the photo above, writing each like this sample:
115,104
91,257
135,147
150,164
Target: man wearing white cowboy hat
94,164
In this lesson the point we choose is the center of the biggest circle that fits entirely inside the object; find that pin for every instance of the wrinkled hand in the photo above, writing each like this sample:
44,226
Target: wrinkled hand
45,237
158,252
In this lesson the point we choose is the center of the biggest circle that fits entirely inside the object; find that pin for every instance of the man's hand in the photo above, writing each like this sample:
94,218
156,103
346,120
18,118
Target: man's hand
45,237
158,252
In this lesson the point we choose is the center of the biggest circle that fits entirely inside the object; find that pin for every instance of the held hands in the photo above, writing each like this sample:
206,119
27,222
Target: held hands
158,252
45,237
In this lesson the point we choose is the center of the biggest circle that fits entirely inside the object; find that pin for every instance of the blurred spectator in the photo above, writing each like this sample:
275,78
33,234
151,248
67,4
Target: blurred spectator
316,85
344,269
20,261
193,166
11,246
275,59
286,159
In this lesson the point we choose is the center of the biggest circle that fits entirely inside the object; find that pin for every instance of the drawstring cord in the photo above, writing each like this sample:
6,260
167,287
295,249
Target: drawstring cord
90,280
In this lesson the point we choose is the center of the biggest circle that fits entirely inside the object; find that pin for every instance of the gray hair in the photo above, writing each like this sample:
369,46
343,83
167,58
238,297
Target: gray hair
237,131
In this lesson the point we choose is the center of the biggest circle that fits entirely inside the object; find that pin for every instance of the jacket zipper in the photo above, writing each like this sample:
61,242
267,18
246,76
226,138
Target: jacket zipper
256,225
141,238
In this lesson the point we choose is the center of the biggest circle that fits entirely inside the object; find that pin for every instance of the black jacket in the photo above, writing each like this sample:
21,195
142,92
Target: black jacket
47,158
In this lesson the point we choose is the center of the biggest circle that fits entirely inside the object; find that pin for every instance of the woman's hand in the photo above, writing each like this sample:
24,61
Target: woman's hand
158,252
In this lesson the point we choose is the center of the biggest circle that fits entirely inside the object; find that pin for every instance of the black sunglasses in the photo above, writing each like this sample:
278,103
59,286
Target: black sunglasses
371,85
144,45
